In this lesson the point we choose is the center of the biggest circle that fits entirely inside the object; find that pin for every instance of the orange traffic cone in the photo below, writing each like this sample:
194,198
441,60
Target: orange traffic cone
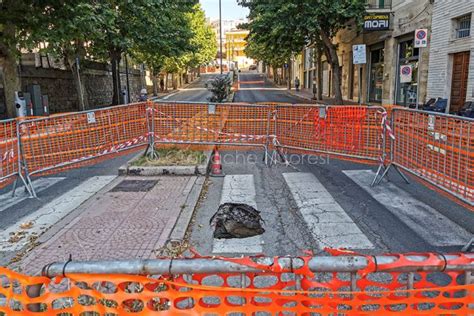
216,166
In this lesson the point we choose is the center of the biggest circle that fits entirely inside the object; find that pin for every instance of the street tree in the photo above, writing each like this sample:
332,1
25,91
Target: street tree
203,43
18,19
73,29
313,22
141,25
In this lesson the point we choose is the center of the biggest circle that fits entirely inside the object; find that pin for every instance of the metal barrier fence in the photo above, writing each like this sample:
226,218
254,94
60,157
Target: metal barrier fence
347,131
200,124
9,168
56,142
11,164
438,148
349,284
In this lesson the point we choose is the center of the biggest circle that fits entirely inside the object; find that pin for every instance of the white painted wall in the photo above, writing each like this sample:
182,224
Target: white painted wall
444,44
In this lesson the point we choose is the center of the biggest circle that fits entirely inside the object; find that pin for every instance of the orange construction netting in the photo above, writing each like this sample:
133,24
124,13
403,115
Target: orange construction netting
437,148
8,152
276,290
350,132
225,125
64,141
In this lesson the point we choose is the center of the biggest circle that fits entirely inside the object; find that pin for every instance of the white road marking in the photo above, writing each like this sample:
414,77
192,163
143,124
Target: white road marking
328,222
166,97
239,189
51,213
429,224
41,184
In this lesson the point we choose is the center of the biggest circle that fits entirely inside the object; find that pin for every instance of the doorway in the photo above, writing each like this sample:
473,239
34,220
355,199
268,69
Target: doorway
459,81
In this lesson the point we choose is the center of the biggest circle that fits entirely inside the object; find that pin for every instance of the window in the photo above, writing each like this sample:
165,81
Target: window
407,87
463,26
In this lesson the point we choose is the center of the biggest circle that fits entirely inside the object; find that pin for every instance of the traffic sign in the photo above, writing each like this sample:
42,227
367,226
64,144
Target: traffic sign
406,73
359,54
421,38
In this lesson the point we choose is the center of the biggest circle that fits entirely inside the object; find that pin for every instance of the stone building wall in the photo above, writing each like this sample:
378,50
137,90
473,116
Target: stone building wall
58,84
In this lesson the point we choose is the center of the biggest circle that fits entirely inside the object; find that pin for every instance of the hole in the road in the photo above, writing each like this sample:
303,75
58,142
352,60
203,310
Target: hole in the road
135,186
234,220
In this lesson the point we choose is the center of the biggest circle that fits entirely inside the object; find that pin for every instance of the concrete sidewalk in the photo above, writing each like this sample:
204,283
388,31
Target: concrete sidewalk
128,219
307,94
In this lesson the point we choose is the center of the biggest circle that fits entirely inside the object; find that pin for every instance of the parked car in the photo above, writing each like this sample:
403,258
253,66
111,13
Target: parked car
467,110
439,105
253,67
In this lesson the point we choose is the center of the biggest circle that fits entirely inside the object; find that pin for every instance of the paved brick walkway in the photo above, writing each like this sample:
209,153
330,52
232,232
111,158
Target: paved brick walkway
117,225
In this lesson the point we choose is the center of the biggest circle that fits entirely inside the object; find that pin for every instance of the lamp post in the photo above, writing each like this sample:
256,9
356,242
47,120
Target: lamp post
314,89
220,31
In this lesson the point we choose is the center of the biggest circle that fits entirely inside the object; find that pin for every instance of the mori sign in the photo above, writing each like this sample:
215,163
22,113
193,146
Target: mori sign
376,22
421,38
359,54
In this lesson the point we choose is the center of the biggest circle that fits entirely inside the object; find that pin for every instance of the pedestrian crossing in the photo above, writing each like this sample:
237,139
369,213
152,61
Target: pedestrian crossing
429,224
330,224
239,189
41,184
326,219
49,214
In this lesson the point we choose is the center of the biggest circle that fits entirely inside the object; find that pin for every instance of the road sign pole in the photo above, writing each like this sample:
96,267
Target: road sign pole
360,84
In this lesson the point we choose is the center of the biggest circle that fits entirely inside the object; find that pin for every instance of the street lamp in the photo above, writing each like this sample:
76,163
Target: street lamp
314,89
220,31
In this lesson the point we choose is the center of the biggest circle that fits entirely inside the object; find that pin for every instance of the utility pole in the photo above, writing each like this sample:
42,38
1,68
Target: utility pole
220,31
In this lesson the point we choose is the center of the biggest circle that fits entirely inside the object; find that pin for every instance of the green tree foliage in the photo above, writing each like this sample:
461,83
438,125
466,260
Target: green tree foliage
18,19
73,29
162,34
282,27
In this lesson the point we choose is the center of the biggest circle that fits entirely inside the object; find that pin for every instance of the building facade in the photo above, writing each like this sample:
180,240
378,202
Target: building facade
227,26
235,45
451,68
389,37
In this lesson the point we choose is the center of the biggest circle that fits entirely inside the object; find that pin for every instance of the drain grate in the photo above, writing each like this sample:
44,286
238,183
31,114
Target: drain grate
135,186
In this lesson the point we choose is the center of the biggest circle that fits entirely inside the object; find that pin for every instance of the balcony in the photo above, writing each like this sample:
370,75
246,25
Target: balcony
378,5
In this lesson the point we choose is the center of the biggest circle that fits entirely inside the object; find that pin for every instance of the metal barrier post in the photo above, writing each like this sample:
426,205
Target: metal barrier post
22,166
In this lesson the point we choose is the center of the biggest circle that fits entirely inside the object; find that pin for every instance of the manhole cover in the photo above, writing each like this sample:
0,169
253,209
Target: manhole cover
135,186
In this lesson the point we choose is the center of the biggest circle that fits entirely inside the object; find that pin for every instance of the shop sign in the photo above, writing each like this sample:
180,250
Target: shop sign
421,38
359,54
376,22
406,73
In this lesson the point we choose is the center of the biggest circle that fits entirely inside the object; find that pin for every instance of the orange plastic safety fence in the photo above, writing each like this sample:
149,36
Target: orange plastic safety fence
66,140
345,131
221,124
276,291
8,152
437,148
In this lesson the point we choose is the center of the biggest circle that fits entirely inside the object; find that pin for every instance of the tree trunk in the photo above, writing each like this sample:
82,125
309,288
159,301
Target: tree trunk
289,75
11,74
154,79
12,82
319,67
331,54
115,57
78,79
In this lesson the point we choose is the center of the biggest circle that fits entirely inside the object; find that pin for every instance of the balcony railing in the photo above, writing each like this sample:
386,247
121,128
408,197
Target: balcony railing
378,5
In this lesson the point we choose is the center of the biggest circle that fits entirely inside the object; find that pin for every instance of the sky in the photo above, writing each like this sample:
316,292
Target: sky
230,9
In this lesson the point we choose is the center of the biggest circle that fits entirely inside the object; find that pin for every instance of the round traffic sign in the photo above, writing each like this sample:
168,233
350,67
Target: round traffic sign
421,35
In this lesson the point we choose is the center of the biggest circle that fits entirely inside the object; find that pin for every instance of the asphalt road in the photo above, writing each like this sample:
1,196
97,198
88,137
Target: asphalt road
288,230
196,91
254,87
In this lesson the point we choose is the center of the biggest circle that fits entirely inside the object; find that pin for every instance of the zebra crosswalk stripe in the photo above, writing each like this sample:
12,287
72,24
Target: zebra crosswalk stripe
435,228
41,184
239,189
327,221
49,214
